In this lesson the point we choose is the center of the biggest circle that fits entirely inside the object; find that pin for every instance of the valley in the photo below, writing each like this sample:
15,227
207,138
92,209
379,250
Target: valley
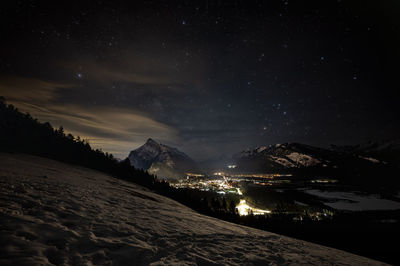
291,178
318,198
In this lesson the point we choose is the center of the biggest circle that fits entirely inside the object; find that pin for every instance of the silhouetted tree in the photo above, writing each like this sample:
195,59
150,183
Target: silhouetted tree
224,204
232,207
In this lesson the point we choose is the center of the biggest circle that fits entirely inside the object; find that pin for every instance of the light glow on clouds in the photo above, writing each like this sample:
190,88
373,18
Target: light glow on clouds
115,130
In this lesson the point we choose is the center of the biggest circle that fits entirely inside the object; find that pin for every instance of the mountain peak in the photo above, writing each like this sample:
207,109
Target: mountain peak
151,141
153,154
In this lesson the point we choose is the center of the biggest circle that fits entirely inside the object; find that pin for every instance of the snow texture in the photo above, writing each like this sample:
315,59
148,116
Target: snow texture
370,159
54,213
303,159
354,202
282,161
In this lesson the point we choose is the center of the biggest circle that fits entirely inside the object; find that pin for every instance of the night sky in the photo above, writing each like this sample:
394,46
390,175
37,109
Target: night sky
209,77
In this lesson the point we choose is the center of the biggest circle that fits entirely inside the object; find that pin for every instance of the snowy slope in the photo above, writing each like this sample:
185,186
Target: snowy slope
56,213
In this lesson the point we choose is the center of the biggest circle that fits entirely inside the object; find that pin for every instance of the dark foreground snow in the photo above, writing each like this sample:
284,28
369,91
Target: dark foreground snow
54,213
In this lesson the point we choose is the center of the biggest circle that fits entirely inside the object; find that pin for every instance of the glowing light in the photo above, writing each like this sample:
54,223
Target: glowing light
244,209
219,173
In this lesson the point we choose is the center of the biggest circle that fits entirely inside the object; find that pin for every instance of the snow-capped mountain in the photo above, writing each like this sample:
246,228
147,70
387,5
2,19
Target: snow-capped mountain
160,159
291,157
283,156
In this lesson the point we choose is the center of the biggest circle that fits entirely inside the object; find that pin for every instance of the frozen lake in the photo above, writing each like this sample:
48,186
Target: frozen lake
354,202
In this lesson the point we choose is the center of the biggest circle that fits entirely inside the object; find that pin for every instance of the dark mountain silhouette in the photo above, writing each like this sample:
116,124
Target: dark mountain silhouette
162,160
386,151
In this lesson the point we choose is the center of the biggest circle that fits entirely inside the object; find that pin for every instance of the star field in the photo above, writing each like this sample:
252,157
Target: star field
209,77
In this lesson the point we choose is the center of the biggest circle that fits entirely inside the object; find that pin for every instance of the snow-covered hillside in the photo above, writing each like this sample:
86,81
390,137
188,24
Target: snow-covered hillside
61,214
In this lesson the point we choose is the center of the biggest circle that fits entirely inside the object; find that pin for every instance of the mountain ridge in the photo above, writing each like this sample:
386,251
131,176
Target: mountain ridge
160,159
350,164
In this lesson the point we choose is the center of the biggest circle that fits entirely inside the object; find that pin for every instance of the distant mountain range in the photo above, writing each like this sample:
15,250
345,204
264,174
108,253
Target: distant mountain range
161,160
383,151
368,162
370,159
282,156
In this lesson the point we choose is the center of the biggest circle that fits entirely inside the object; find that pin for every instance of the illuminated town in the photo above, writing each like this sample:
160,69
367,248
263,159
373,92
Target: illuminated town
226,184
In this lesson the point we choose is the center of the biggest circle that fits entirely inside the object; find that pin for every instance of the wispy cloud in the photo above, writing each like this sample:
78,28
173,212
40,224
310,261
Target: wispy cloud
18,89
116,130
129,74
162,71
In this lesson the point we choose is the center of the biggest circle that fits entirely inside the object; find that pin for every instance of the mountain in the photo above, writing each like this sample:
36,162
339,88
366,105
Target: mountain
386,151
162,160
283,156
59,214
354,162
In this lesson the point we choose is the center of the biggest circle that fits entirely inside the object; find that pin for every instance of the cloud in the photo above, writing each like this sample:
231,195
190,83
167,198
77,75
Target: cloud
18,89
113,129
103,73
161,72
117,130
